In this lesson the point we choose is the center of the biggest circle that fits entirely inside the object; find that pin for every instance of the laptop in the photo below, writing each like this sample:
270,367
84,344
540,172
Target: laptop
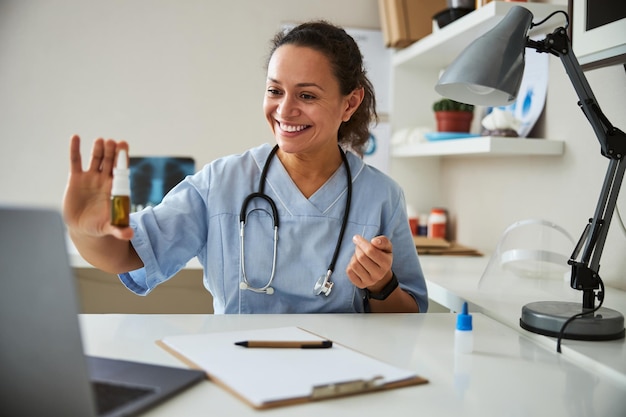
43,369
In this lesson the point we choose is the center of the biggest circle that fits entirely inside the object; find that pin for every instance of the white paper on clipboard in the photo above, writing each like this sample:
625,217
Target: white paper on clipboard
268,377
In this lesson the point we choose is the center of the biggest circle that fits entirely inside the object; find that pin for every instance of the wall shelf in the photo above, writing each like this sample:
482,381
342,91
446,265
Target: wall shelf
481,146
414,73
415,70
442,46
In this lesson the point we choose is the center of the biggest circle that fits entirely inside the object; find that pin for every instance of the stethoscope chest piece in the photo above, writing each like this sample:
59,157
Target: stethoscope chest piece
323,285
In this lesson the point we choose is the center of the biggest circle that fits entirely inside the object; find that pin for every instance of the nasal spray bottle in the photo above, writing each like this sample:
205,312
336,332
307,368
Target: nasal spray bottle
463,347
120,192
463,336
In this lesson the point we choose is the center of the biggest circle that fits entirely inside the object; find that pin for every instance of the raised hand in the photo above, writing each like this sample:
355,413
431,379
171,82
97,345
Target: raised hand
87,200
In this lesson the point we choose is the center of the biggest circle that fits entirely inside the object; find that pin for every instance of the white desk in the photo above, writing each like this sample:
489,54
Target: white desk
509,374
452,280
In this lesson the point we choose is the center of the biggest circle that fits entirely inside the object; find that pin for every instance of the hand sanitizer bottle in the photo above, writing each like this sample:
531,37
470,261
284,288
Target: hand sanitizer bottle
120,192
464,337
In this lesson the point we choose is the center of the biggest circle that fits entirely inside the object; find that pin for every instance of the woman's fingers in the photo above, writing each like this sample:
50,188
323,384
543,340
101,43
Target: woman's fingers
371,260
108,161
76,163
97,155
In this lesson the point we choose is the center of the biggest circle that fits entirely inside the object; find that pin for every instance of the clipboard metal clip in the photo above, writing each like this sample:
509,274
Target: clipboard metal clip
339,389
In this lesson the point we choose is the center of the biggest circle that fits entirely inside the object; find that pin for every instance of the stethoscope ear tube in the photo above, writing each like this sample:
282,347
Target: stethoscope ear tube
245,285
264,290
243,216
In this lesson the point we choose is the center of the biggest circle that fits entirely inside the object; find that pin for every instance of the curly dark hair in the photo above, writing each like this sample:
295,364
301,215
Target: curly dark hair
347,64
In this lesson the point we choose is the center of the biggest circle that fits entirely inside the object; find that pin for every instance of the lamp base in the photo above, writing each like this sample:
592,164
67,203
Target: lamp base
547,318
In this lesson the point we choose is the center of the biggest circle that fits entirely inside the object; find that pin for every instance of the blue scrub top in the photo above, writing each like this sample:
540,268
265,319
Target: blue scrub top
200,217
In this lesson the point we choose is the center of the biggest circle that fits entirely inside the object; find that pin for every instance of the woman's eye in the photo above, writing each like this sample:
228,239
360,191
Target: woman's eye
306,96
273,91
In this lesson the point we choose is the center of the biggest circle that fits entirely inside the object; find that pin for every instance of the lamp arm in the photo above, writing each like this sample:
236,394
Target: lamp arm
585,272
612,140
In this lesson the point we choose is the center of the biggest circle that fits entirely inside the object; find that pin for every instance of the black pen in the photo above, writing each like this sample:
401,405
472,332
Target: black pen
322,344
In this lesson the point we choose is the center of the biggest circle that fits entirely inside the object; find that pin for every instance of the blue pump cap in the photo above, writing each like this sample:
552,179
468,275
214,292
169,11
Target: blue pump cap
464,319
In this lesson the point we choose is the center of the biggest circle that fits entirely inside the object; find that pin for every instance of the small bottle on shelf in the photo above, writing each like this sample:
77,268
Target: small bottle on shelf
437,222
422,225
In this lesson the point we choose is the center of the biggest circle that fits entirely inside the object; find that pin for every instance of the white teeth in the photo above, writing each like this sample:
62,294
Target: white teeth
296,128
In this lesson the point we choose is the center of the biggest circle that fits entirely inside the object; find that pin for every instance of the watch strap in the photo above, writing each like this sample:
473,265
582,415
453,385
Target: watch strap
386,291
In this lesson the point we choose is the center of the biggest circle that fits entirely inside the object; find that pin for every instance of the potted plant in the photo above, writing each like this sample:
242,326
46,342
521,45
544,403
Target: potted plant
453,116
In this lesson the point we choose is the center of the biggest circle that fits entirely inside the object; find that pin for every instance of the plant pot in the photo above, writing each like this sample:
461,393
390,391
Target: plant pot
454,121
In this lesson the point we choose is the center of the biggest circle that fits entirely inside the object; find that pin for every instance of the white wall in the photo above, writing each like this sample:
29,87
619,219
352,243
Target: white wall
171,77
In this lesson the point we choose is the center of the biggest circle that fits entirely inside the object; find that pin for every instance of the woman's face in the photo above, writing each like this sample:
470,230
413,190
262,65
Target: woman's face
303,104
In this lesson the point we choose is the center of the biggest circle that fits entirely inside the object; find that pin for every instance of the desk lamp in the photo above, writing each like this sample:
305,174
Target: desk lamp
489,73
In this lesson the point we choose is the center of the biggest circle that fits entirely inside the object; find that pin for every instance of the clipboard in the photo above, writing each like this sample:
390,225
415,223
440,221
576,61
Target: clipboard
267,378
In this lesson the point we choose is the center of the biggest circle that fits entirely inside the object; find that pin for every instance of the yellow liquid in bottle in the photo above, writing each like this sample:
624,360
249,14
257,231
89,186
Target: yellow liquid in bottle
120,210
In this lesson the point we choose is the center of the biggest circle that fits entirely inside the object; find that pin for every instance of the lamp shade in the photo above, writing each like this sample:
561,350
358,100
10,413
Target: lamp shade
489,71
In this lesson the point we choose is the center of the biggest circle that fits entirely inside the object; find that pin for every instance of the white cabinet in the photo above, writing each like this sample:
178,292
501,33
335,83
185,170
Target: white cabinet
415,71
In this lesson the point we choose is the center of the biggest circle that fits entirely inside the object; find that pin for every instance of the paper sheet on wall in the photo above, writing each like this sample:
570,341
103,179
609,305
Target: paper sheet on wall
377,149
267,377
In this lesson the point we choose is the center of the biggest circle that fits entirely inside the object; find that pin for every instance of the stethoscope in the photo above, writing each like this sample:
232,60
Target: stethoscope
323,284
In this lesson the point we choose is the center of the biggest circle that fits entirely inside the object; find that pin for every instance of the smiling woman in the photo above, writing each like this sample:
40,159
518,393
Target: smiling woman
328,61
245,216
305,108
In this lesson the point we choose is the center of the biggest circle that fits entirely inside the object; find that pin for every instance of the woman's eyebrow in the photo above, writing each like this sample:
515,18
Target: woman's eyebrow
299,84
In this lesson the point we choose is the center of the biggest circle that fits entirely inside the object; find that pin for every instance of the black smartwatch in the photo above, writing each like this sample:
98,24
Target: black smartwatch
384,293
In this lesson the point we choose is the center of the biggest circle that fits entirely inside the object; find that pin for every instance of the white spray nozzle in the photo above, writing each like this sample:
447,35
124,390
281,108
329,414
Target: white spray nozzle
121,175
122,160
